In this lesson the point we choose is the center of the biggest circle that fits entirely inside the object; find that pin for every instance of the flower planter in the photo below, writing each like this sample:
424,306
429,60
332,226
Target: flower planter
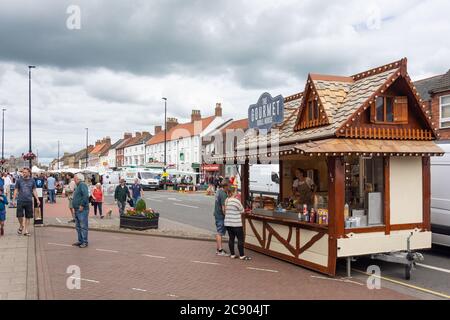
139,222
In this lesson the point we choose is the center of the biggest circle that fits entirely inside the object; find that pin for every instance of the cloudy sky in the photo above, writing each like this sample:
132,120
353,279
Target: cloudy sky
109,75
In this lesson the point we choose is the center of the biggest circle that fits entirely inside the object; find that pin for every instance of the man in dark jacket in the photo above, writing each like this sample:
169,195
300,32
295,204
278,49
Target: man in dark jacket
80,204
121,194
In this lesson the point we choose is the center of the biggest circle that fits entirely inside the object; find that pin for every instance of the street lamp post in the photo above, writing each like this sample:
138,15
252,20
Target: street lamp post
58,154
29,110
3,137
87,141
165,132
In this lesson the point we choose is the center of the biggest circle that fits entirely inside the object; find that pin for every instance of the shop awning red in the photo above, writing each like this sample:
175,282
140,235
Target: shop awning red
334,147
210,167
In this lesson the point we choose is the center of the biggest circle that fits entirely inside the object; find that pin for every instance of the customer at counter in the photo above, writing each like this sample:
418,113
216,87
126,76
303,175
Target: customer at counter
302,188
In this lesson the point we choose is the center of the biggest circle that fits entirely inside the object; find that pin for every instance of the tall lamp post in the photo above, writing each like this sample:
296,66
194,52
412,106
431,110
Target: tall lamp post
87,141
58,154
29,111
3,137
165,132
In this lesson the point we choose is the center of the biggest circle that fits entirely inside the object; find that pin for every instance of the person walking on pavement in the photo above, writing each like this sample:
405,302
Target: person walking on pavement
219,217
233,223
24,191
121,194
7,187
68,192
80,204
3,203
51,187
137,192
97,199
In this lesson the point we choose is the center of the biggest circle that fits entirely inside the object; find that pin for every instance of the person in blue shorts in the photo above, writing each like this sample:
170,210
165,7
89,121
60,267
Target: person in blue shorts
219,216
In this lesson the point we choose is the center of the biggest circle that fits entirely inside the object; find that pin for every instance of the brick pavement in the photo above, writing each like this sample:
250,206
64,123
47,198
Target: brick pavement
58,215
120,266
17,262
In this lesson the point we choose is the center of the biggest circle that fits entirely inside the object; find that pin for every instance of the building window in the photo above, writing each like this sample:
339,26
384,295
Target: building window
445,112
390,110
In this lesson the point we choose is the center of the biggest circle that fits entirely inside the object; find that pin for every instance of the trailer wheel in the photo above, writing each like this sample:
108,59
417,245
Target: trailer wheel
408,269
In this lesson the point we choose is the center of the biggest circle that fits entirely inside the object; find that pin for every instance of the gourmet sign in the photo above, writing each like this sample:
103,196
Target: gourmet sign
266,112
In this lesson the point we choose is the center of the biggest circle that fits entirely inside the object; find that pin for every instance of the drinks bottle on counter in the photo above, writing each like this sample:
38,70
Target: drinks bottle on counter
312,217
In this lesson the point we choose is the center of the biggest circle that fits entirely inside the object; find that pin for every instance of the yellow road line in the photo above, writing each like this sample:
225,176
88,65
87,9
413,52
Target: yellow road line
443,295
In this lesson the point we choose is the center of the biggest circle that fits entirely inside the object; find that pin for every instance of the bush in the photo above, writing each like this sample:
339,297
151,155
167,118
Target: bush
140,206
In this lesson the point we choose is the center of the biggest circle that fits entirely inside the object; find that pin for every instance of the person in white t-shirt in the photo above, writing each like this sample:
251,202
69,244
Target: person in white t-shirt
7,185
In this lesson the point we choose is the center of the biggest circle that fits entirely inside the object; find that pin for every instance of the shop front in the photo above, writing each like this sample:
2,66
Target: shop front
354,156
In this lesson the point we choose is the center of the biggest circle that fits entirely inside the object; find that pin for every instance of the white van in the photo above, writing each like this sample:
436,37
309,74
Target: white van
440,197
147,177
265,178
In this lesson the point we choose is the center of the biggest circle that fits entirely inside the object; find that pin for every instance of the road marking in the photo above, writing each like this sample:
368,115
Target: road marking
150,256
57,219
185,205
439,294
211,263
172,295
105,250
59,244
174,199
433,268
340,280
155,200
258,269
137,289
87,280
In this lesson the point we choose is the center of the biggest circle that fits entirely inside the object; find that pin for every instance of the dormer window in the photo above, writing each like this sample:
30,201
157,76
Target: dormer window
390,110
313,110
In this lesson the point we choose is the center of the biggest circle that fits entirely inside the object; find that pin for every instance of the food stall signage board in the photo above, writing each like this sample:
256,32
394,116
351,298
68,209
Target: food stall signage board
267,112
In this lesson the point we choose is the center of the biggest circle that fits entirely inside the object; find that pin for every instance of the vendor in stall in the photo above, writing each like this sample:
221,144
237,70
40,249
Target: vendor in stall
302,188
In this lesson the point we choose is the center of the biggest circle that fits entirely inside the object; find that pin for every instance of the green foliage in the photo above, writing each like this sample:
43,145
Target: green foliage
140,206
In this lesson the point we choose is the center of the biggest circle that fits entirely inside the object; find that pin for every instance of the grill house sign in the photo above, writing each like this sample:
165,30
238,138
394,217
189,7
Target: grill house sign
266,112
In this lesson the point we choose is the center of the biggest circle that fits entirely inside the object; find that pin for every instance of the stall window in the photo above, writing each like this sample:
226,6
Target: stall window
390,110
364,191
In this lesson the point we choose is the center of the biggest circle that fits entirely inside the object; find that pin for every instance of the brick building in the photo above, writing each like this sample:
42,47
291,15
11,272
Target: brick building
436,91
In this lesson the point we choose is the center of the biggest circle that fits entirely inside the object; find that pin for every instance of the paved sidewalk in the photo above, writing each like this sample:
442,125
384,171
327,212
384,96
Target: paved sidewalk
58,215
17,262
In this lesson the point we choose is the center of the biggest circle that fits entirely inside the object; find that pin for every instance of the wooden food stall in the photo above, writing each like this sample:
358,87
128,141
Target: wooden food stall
363,145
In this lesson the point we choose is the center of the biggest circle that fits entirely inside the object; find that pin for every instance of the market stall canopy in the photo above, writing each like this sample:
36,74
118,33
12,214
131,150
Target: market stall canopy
342,147
35,169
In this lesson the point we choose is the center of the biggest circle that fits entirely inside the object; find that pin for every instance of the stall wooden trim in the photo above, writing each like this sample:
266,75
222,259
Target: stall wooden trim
387,196
426,185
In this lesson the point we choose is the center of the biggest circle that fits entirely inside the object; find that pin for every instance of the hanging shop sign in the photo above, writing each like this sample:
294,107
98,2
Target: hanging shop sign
267,112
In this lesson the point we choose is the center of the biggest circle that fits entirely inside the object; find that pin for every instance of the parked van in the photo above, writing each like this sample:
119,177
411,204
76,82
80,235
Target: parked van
265,178
440,197
148,178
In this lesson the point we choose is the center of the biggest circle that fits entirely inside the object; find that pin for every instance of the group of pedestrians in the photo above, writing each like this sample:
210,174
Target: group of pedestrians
228,212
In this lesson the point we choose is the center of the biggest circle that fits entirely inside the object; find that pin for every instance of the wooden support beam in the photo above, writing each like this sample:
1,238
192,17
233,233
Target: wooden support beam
426,186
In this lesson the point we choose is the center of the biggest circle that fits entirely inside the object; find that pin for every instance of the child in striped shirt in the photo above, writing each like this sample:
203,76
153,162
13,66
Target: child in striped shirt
233,223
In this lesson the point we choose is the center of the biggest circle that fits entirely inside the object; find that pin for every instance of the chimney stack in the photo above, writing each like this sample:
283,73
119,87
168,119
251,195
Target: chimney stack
218,111
158,129
127,135
171,122
108,140
138,134
196,116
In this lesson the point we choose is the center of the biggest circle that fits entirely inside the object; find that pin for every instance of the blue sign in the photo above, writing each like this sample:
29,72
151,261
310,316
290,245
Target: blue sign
266,112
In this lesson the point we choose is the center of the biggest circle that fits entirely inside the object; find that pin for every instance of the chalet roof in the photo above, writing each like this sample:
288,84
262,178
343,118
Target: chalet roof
182,130
433,85
341,97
